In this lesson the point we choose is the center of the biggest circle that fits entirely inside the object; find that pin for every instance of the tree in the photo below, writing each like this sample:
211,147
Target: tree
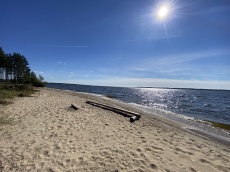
16,67
40,78
37,82
33,77
20,67
2,63
26,76
8,67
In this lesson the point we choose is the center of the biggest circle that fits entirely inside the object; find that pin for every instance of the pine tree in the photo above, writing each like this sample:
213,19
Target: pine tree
2,63
20,67
16,68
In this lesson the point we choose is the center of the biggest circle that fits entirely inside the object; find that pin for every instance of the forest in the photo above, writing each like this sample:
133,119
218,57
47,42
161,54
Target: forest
14,68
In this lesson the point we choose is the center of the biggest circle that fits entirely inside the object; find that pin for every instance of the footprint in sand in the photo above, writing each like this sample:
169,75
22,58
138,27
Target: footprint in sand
143,162
222,168
46,153
147,149
205,161
153,166
156,148
143,138
179,150
134,154
138,150
170,160
139,170
158,139
143,155
143,141
192,169
67,160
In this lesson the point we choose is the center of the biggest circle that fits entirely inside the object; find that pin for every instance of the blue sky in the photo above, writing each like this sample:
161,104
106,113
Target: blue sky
121,43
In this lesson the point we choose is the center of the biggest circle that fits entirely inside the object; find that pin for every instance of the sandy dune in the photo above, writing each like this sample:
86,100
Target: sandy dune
41,133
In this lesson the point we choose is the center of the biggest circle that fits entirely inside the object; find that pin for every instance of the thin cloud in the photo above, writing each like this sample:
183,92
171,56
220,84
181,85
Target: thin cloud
181,58
71,74
180,65
39,72
140,69
168,61
62,63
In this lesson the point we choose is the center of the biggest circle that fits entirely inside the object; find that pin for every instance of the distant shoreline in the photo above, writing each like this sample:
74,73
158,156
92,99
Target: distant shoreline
142,87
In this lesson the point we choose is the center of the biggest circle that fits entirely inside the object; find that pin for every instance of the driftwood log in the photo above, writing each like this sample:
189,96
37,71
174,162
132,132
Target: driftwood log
73,107
132,115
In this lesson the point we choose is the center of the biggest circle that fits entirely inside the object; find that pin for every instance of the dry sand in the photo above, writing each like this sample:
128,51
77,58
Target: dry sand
41,133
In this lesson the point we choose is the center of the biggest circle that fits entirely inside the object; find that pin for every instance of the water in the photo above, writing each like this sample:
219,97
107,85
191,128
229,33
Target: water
189,106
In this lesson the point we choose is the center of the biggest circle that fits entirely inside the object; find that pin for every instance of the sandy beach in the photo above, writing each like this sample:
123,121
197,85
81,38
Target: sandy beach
42,133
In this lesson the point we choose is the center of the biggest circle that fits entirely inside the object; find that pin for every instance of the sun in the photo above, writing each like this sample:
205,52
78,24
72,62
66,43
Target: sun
163,12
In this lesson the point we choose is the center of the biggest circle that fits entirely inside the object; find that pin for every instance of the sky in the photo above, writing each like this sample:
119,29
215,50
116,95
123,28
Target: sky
122,43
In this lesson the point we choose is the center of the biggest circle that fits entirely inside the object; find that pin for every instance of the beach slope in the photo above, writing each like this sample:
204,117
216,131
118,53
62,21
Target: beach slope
42,133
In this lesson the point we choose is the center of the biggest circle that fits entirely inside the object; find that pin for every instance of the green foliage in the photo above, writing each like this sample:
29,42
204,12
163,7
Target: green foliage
14,68
40,78
36,82
7,94
17,87
12,90
20,68
2,62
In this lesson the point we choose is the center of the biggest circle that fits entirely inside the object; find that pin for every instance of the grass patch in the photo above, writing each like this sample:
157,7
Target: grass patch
7,94
8,91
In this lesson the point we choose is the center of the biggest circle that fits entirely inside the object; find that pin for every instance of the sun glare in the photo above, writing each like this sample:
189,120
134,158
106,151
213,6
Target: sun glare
163,12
